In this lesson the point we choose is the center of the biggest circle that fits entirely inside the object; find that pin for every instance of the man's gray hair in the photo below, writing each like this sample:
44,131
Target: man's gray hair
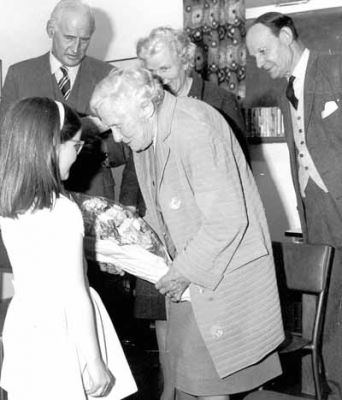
122,87
166,37
63,6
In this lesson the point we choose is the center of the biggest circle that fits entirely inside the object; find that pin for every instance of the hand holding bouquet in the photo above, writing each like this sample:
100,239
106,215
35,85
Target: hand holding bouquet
113,235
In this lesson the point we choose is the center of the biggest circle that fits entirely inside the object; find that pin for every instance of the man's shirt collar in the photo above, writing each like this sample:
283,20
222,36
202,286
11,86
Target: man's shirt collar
299,72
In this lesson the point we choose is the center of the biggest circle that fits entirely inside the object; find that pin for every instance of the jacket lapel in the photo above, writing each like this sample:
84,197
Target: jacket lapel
83,87
164,121
309,88
44,77
145,171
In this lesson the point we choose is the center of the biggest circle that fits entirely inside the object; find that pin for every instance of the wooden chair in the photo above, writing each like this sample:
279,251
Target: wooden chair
307,270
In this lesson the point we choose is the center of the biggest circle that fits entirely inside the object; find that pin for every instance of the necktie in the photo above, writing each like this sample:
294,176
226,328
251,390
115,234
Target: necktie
290,94
64,83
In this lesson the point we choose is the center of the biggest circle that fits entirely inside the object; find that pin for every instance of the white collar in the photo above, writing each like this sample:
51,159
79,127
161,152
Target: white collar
300,70
186,88
55,65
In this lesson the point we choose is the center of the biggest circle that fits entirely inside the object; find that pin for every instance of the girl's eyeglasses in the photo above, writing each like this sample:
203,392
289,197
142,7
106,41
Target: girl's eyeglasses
78,144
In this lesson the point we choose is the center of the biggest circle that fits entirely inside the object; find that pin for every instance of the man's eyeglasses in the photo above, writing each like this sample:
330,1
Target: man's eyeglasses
78,144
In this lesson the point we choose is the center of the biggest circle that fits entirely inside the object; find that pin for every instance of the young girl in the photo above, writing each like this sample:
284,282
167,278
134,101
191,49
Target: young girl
58,340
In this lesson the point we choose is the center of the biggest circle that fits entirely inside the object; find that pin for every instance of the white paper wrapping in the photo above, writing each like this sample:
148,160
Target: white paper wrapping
134,260
114,236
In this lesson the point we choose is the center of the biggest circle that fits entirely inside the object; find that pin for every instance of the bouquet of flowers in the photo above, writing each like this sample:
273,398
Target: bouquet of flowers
113,235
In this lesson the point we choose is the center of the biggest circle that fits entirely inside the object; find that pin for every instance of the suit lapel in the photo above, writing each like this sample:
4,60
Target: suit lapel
164,121
145,162
161,157
83,87
309,89
45,79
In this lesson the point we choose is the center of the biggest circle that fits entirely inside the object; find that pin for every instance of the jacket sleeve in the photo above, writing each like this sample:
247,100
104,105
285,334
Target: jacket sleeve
232,109
213,174
232,113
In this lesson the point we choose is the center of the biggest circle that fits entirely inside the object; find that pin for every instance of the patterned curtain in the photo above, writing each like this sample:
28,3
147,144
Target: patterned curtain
217,27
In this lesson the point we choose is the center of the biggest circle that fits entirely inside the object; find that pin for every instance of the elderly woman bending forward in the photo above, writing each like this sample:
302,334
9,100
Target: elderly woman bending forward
202,200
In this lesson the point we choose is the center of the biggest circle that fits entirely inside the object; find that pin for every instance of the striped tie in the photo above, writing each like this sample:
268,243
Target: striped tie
64,83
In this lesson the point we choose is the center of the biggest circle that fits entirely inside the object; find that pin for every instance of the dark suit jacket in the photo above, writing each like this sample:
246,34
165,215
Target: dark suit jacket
226,103
323,83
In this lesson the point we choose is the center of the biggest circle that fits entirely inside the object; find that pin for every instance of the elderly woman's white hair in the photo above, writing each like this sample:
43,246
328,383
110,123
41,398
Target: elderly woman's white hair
121,87
165,37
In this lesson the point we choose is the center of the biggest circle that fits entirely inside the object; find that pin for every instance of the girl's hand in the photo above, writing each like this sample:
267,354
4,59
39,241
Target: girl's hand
97,379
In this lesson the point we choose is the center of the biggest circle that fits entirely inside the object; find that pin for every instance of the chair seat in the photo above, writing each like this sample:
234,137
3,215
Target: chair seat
270,395
293,343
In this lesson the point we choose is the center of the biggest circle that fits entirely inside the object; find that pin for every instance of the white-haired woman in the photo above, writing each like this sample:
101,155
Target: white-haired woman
170,54
202,201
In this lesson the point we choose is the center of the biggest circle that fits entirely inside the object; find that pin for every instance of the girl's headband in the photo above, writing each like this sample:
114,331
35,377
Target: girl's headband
61,111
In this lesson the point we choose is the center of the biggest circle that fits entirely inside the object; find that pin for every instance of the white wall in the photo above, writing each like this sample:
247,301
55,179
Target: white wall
119,24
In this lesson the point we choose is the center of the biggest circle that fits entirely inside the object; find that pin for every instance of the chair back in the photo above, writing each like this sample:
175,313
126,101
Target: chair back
307,266
307,270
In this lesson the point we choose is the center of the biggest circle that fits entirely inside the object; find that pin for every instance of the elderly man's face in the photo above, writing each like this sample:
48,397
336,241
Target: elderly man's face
169,68
127,124
272,53
70,38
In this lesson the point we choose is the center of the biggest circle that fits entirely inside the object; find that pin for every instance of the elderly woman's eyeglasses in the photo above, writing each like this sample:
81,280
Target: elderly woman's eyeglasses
78,144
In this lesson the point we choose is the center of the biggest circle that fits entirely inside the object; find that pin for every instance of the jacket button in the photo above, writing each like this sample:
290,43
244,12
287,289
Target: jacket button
216,331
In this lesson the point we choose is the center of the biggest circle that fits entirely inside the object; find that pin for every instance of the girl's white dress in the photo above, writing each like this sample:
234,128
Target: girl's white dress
41,356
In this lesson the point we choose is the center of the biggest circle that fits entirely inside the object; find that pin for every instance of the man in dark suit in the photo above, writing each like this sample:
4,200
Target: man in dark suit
70,28
313,119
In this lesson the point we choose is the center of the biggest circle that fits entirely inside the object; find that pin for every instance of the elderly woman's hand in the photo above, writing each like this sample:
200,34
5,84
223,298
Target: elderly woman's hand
173,284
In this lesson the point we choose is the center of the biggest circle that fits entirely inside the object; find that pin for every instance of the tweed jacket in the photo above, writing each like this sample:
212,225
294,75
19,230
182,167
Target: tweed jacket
219,98
323,84
33,77
201,183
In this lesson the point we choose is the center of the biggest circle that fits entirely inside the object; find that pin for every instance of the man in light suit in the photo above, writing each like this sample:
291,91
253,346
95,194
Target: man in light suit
313,120
70,28
202,201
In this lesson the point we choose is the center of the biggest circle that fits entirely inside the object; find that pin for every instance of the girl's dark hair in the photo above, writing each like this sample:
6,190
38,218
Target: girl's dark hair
276,21
29,167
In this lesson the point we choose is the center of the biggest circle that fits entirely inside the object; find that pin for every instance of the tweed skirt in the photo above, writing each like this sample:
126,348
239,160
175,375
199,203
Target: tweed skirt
192,367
